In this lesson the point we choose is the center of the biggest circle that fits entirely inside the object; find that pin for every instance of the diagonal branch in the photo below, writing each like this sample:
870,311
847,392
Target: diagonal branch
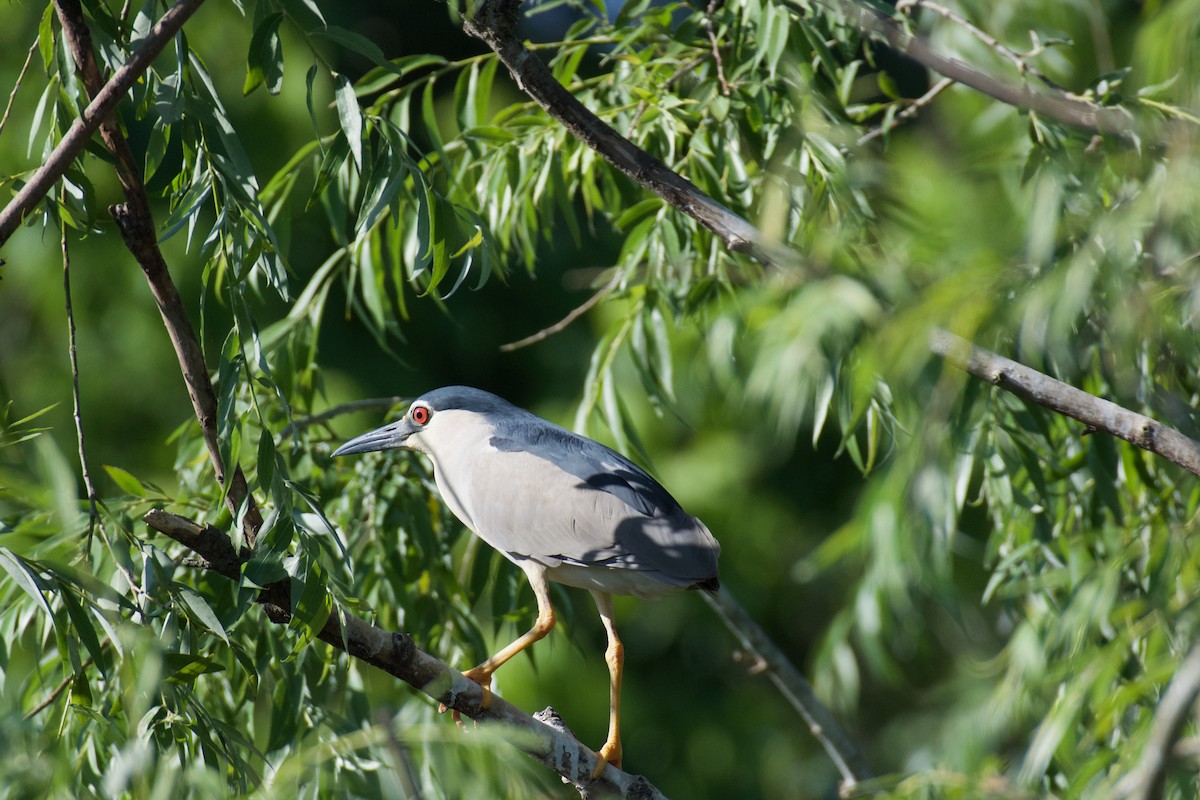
1057,105
842,750
76,403
103,103
911,110
1095,412
562,324
494,24
396,654
370,404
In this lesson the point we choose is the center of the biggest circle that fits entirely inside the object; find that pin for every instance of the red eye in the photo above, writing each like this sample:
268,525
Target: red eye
420,415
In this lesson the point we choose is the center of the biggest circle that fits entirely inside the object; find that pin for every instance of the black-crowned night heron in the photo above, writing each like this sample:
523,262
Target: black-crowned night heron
558,505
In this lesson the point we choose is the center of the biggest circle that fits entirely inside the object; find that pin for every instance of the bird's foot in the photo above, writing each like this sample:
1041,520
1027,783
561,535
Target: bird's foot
484,679
610,753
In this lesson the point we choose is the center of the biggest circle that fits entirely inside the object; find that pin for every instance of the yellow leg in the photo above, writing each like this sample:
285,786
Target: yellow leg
610,753
482,674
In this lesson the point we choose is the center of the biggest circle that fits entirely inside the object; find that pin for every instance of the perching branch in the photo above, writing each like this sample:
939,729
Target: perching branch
1095,412
136,223
396,654
103,103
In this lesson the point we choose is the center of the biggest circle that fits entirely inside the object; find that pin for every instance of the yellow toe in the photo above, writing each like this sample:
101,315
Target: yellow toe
610,753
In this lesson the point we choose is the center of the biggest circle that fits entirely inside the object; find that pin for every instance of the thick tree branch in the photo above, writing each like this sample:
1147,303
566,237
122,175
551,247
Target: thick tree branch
136,223
103,103
1095,412
396,654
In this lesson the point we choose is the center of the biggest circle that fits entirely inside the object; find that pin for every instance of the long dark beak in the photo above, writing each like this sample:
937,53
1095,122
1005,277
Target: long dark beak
389,437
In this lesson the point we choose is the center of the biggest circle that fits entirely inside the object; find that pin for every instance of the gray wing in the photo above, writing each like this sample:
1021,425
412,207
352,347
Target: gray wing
568,499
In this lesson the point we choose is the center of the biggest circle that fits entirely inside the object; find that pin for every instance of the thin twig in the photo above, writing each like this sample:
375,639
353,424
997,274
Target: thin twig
406,771
644,106
1019,60
396,654
1095,412
62,687
89,487
103,103
1145,781
910,111
370,404
716,50
769,659
12,96
561,325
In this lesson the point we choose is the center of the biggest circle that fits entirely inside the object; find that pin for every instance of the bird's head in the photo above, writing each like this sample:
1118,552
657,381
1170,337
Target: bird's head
431,417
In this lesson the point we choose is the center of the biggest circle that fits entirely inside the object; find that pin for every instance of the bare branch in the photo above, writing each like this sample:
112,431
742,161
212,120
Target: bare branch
1145,781
1095,412
208,542
910,111
49,699
841,749
716,50
396,654
12,96
103,103
571,316
73,356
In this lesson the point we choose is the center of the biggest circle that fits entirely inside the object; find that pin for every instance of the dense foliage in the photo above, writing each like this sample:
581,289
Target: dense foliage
357,200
